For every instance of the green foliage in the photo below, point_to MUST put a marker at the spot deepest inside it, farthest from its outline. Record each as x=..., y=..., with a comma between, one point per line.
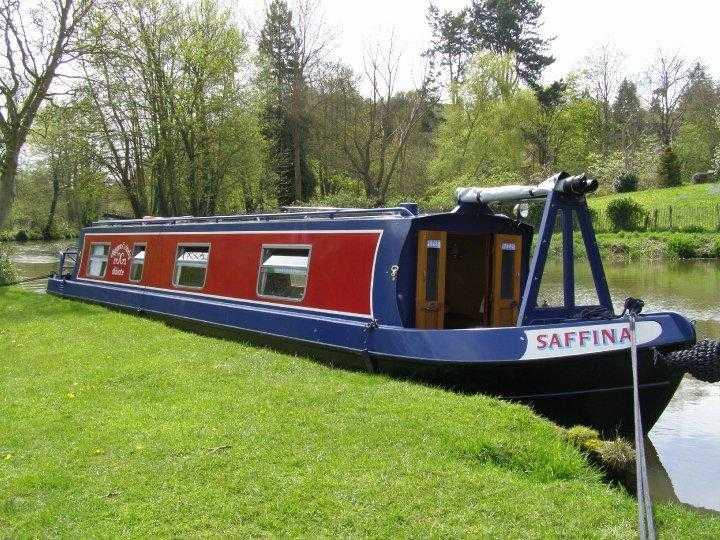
x=683, y=246
x=715, y=249
x=482, y=139
x=215, y=437
x=669, y=169
x=617, y=454
x=625, y=183
x=8, y=273
x=626, y=215
x=582, y=437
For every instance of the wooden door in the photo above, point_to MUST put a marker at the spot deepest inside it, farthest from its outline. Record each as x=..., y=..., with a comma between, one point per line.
x=430, y=291
x=507, y=257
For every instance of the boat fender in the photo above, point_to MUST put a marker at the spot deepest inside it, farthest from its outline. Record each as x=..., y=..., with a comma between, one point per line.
x=702, y=361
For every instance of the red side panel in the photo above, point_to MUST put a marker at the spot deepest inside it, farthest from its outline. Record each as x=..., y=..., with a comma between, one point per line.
x=339, y=276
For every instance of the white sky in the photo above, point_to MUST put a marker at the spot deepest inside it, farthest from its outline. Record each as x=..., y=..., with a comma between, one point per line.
x=636, y=27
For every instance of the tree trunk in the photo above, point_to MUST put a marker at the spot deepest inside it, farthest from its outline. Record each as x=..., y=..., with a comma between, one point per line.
x=48, y=229
x=7, y=184
x=296, y=141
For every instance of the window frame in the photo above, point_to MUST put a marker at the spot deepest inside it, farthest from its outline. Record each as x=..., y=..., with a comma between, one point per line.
x=90, y=259
x=263, y=247
x=132, y=259
x=175, y=264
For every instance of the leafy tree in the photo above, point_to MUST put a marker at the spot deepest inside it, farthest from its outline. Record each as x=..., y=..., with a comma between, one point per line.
x=483, y=140
x=289, y=53
x=698, y=135
x=669, y=168
x=36, y=43
x=450, y=46
x=511, y=26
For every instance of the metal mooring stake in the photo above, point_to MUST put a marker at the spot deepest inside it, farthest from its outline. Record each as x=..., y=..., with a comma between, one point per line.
x=646, y=522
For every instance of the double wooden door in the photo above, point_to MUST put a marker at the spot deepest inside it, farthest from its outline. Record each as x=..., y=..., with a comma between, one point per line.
x=430, y=304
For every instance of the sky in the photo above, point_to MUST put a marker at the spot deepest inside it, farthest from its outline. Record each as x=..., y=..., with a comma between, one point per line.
x=637, y=28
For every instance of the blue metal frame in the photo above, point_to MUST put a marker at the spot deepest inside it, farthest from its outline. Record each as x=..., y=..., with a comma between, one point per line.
x=568, y=206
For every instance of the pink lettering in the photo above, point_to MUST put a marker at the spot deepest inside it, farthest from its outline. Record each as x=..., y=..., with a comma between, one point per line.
x=625, y=335
x=542, y=341
x=608, y=336
x=555, y=341
x=584, y=336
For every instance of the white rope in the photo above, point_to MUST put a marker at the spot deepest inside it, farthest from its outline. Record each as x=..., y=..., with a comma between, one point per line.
x=646, y=522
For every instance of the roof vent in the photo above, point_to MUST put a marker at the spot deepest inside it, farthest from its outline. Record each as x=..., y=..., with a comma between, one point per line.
x=411, y=207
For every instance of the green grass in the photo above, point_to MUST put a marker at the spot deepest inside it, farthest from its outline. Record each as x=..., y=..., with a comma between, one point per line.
x=115, y=425
x=692, y=205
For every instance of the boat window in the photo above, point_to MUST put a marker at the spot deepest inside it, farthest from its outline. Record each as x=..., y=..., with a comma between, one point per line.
x=431, y=280
x=98, y=260
x=283, y=272
x=138, y=262
x=507, y=271
x=191, y=266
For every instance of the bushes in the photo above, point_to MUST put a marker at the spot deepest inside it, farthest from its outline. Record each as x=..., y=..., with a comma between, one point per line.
x=682, y=246
x=8, y=274
x=625, y=183
x=626, y=215
x=668, y=169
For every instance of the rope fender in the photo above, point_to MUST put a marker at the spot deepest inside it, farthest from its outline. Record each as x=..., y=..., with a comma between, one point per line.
x=702, y=360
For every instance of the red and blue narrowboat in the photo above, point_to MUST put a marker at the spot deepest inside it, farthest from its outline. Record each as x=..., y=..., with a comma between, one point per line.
x=448, y=298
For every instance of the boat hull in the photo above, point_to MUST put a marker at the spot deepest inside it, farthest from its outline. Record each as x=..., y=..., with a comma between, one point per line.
x=591, y=389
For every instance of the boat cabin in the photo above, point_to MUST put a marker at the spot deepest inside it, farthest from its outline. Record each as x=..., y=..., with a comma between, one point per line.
x=451, y=270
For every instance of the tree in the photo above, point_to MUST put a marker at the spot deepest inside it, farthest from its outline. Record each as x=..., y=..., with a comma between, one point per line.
x=511, y=26
x=602, y=75
x=698, y=135
x=293, y=52
x=627, y=115
x=483, y=139
x=669, y=168
x=450, y=47
x=670, y=79
x=36, y=43
x=376, y=130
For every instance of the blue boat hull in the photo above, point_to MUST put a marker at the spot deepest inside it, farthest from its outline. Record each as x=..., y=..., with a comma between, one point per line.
x=593, y=389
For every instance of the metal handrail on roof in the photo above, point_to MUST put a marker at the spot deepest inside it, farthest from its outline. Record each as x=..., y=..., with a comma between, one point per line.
x=313, y=213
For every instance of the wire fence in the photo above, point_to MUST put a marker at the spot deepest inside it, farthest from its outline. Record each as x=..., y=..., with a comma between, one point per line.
x=683, y=217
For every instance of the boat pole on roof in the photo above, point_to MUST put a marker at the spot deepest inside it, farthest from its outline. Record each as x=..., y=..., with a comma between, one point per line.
x=562, y=183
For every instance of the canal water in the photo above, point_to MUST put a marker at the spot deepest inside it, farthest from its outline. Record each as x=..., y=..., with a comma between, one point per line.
x=684, y=446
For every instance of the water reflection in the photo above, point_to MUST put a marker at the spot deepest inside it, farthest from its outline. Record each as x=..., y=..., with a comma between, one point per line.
x=685, y=442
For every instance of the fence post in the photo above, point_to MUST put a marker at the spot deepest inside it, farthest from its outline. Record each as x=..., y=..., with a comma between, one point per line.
x=717, y=216
x=670, y=218
x=655, y=219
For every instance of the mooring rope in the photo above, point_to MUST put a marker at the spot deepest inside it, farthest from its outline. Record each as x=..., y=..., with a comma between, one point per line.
x=646, y=521
x=26, y=280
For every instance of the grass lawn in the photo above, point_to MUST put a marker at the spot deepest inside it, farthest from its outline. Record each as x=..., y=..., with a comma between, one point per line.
x=688, y=194
x=692, y=205
x=114, y=425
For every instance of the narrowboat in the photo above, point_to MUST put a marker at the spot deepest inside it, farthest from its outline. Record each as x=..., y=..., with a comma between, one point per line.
x=451, y=299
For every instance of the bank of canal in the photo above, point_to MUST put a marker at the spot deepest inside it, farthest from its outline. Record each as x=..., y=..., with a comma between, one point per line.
x=684, y=445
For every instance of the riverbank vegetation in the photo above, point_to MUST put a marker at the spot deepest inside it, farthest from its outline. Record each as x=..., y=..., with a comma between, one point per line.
x=102, y=436
x=623, y=245
x=130, y=108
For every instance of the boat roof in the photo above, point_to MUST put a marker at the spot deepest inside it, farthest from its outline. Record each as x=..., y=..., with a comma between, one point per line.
x=291, y=214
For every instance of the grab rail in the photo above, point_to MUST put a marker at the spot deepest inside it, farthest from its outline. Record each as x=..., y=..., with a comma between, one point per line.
x=333, y=213
x=68, y=260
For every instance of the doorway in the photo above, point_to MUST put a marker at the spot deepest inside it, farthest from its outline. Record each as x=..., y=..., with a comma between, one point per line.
x=467, y=280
